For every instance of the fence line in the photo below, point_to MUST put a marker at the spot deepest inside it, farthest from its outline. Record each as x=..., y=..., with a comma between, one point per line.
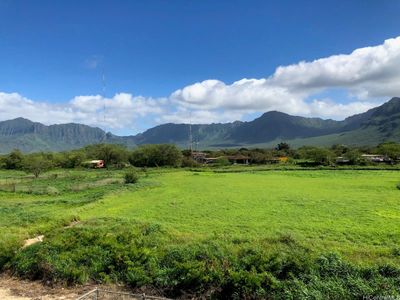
x=89, y=295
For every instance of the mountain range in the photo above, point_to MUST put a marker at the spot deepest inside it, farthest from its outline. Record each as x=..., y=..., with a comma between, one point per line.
x=372, y=127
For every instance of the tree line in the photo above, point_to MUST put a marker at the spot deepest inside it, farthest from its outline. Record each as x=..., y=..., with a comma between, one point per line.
x=118, y=156
x=313, y=154
x=114, y=156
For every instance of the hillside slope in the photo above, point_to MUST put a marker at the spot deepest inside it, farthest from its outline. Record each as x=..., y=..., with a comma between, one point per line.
x=370, y=128
x=31, y=136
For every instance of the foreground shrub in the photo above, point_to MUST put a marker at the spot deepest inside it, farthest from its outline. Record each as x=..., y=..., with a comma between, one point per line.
x=131, y=177
x=8, y=245
x=138, y=255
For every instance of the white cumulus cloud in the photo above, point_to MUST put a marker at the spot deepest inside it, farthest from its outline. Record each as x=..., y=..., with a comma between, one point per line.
x=368, y=76
x=121, y=111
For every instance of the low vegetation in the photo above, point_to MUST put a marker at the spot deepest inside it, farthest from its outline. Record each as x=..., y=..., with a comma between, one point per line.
x=131, y=176
x=249, y=234
x=313, y=228
x=166, y=155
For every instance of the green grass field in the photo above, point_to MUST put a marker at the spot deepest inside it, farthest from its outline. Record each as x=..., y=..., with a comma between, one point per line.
x=354, y=212
x=132, y=233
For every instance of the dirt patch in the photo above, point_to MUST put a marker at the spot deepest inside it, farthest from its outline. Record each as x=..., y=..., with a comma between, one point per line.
x=32, y=241
x=16, y=289
x=6, y=295
x=12, y=288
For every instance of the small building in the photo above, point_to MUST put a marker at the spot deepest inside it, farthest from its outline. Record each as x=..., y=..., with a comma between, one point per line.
x=272, y=160
x=376, y=158
x=211, y=160
x=200, y=157
x=239, y=159
x=340, y=160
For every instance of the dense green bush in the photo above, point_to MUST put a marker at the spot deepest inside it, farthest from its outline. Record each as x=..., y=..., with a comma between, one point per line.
x=131, y=176
x=71, y=159
x=189, y=162
x=317, y=155
x=390, y=149
x=222, y=161
x=13, y=160
x=140, y=257
x=36, y=164
x=354, y=157
x=8, y=245
x=156, y=156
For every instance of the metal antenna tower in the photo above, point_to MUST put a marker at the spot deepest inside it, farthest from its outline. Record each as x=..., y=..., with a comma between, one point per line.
x=104, y=97
x=190, y=133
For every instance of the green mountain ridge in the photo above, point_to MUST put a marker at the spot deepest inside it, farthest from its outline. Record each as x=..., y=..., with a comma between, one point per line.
x=31, y=136
x=375, y=126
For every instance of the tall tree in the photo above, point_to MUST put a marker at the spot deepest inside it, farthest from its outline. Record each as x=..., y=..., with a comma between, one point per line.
x=13, y=160
x=36, y=164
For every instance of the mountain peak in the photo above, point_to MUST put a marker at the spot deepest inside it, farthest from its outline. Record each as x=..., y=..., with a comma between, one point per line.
x=389, y=108
x=274, y=113
x=394, y=99
x=378, y=124
x=18, y=120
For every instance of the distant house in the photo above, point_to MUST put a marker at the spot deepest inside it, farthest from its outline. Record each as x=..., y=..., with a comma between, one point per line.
x=376, y=158
x=200, y=157
x=97, y=163
x=273, y=160
x=340, y=160
x=211, y=160
x=239, y=159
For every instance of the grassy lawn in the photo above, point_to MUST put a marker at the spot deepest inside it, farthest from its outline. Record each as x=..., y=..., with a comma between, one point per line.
x=177, y=220
x=353, y=212
x=41, y=205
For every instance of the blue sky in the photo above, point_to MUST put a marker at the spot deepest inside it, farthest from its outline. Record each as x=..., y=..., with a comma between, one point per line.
x=53, y=54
